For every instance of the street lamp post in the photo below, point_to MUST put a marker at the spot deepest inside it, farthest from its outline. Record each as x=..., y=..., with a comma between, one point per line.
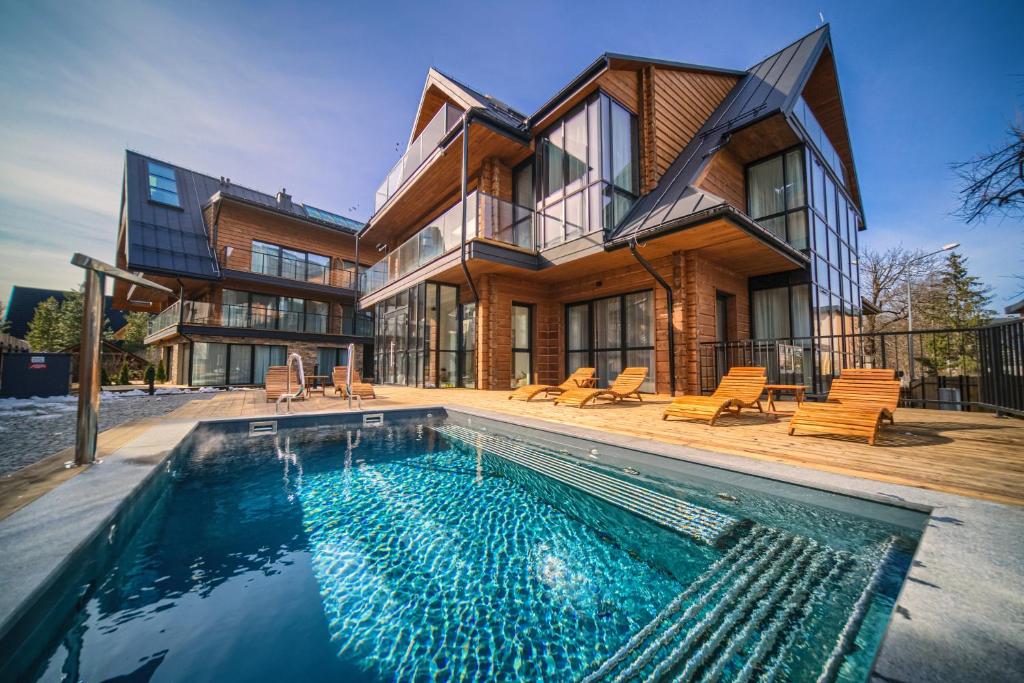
x=910, y=304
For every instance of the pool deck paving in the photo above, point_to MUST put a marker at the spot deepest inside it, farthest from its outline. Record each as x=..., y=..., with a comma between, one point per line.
x=960, y=614
x=969, y=454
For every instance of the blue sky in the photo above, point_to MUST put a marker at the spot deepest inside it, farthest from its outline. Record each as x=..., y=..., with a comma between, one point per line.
x=316, y=97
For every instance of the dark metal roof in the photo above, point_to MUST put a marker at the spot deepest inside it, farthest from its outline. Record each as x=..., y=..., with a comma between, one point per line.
x=21, y=306
x=768, y=88
x=492, y=107
x=173, y=240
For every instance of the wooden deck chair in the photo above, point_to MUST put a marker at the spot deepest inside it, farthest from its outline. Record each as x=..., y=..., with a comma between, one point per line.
x=276, y=382
x=574, y=381
x=626, y=385
x=359, y=387
x=740, y=388
x=854, y=407
x=868, y=373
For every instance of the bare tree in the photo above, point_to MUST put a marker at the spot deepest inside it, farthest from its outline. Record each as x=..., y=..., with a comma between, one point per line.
x=884, y=284
x=993, y=183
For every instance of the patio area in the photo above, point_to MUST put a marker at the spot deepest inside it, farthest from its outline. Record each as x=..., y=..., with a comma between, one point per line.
x=970, y=454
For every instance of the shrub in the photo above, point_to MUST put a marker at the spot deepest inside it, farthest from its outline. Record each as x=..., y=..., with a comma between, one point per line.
x=104, y=377
x=124, y=377
x=161, y=372
x=149, y=377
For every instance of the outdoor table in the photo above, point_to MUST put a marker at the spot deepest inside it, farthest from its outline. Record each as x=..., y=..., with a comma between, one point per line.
x=798, y=393
x=317, y=383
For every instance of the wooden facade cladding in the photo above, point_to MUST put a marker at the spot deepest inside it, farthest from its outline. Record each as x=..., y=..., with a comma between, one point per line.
x=683, y=101
x=238, y=225
x=724, y=175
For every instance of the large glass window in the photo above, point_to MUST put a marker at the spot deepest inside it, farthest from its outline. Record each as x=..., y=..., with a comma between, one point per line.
x=215, y=364
x=777, y=196
x=328, y=358
x=163, y=184
x=294, y=264
x=588, y=166
x=610, y=334
x=425, y=337
x=269, y=312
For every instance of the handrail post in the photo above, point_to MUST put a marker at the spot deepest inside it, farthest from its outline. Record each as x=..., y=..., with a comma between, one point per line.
x=89, y=369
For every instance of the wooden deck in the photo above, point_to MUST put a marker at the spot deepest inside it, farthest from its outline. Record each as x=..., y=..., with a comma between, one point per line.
x=969, y=454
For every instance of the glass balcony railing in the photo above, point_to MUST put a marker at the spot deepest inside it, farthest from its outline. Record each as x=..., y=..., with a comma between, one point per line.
x=260, y=318
x=288, y=264
x=421, y=148
x=487, y=217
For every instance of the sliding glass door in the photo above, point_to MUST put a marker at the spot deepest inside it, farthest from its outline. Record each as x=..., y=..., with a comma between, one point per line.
x=610, y=334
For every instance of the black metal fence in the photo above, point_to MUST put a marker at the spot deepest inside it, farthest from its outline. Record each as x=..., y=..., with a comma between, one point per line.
x=953, y=369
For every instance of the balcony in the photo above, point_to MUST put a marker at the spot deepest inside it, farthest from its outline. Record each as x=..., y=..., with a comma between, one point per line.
x=418, y=151
x=487, y=217
x=287, y=264
x=256, y=318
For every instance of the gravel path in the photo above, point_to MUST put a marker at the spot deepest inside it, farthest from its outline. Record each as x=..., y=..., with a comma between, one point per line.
x=32, y=429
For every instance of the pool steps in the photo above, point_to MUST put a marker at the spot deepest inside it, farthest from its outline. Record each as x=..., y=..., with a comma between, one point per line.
x=751, y=602
x=700, y=523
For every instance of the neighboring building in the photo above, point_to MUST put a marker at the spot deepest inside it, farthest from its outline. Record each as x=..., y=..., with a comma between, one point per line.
x=1015, y=309
x=21, y=306
x=650, y=213
x=259, y=276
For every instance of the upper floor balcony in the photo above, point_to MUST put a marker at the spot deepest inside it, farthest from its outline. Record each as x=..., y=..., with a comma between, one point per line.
x=487, y=218
x=418, y=151
x=270, y=318
x=297, y=267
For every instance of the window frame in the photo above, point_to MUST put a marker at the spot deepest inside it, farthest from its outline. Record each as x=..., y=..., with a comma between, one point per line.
x=598, y=177
x=528, y=350
x=786, y=211
x=280, y=261
x=150, y=186
x=623, y=348
x=277, y=311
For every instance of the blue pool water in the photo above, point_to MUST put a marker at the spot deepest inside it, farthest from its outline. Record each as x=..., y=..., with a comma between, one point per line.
x=429, y=551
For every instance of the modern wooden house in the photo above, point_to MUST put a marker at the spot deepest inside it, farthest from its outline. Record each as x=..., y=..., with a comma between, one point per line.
x=650, y=213
x=258, y=276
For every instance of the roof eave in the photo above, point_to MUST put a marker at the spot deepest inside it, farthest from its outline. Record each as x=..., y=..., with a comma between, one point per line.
x=719, y=211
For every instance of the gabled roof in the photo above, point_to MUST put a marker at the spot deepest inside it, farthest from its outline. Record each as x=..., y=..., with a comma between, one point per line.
x=467, y=97
x=21, y=306
x=768, y=88
x=175, y=241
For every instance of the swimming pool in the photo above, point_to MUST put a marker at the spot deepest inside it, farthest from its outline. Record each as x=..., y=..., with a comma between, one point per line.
x=442, y=546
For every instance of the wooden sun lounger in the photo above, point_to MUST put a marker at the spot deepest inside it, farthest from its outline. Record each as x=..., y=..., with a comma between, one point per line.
x=359, y=388
x=576, y=380
x=276, y=382
x=626, y=385
x=740, y=388
x=868, y=373
x=854, y=407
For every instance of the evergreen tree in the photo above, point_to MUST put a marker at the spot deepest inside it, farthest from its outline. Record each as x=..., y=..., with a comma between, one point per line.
x=124, y=377
x=954, y=300
x=161, y=372
x=42, y=329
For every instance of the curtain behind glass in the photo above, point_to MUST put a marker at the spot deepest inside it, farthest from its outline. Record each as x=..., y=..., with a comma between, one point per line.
x=240, y=369
x=209, y=363
x=640, y=319
x=771, y=313
x=801, y=311
x=607, y=324
x=766, y=188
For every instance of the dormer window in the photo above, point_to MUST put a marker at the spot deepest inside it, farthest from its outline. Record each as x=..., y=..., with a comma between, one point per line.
x=163, y=184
